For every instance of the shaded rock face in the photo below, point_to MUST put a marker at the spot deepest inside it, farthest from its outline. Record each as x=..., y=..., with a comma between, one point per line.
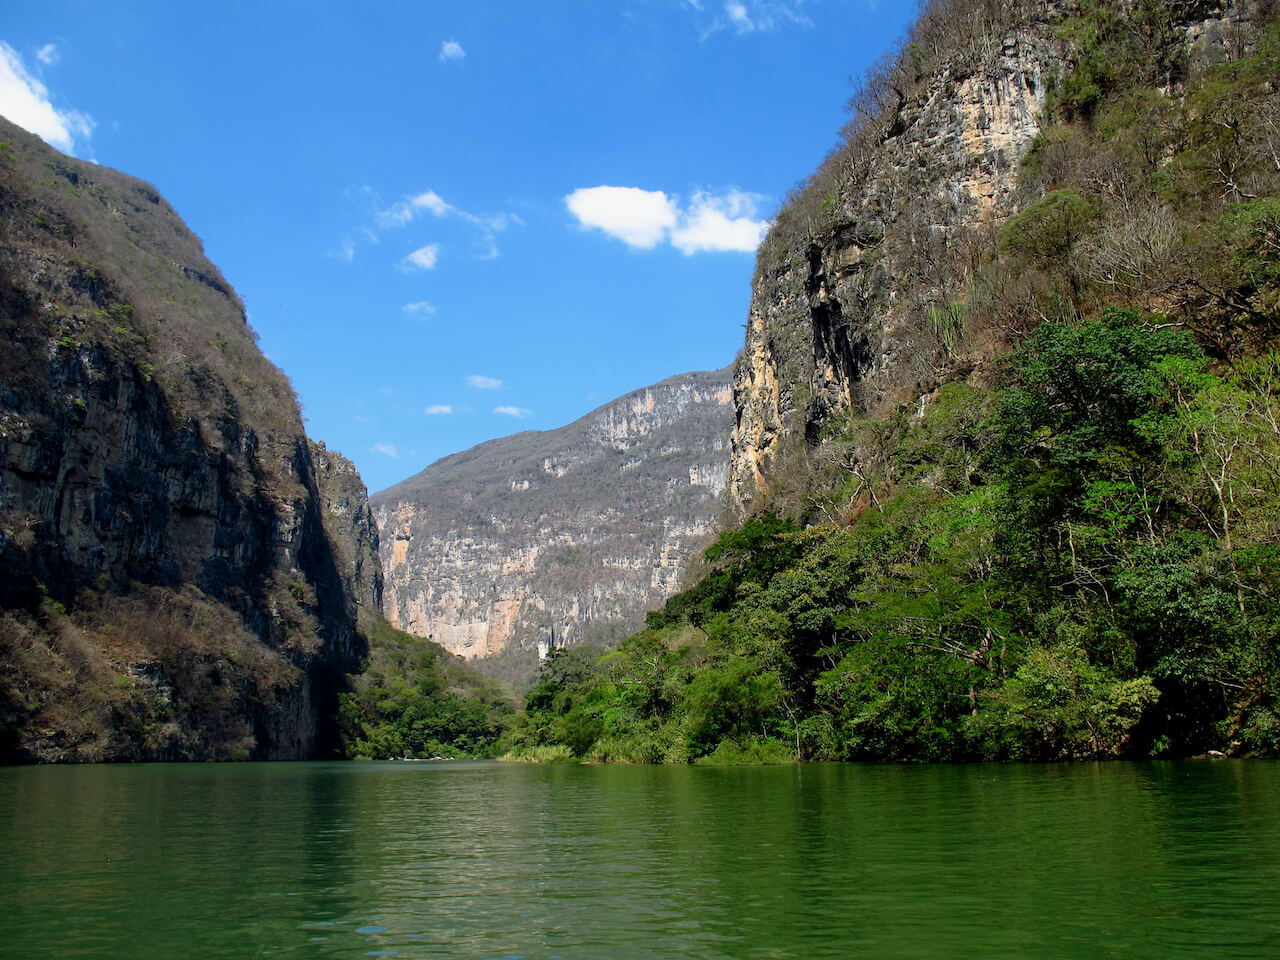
x=850, y=314
x=154, y=470
x=352, y=528
x=559, y=537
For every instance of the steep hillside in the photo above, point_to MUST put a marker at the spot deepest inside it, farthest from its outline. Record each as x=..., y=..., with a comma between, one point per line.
x=170, y=581
x=559, y=537
x=1008, y=419
x=880, y=280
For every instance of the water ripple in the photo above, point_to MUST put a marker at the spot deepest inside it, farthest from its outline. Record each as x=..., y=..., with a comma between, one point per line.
x=496, y=862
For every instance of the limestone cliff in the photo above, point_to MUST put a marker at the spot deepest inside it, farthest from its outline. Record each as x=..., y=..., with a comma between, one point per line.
x=859, y=297
x=559, y=537
x=168, y=584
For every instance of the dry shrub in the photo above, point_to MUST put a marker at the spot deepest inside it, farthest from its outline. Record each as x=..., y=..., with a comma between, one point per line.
x=154, y=674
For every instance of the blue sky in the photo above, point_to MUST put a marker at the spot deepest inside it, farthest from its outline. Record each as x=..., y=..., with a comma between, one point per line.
x=452, y=221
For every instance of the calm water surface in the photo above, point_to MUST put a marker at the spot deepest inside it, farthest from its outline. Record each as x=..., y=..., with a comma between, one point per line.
x=485, y=860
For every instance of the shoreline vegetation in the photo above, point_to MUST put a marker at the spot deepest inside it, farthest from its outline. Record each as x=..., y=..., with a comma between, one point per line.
x=1091, y=573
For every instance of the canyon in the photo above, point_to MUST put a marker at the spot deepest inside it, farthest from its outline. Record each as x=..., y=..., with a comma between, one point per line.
x=557, y=538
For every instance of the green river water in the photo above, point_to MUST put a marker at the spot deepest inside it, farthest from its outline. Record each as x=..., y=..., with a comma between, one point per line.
x=487, y=860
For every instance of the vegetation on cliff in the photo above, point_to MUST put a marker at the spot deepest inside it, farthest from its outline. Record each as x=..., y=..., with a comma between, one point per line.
x=412, y=698
x=169, y=585
x=1082, y=563
x=183, y=574
x=1073, y=556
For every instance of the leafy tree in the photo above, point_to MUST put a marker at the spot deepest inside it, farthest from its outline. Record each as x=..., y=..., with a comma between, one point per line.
x=413, y=699
x=1046, y=231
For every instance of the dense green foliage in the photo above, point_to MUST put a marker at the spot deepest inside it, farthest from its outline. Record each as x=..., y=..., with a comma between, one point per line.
x=414, y=699
x=1100, y=582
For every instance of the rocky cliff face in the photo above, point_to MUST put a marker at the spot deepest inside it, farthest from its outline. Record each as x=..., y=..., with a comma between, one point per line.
x=560, y=537
x=169, y=585
x=859, y=295
x=350, y=524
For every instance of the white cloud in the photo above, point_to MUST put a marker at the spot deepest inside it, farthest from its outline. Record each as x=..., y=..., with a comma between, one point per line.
x=48, y=55
x=25, y=101
x=389, y=449
x=720, y=223
x=644, y=218
x=421, y=308
x=483, y=383
x=424, y=258
x=430, y=201
x=639, y=218
x=512, y=411
x=738, y=16
x=451, y=50
x=438, y=408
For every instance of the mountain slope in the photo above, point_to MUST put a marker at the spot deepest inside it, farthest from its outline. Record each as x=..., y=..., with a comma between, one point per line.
x=559, y=537
x=876, y=285
x=169, y=585
x=1008, y=420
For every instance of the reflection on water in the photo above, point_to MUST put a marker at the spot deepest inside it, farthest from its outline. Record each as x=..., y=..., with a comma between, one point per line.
x=484, y=860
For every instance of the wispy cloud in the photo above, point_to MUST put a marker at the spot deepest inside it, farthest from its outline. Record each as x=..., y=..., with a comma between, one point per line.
x=483, y=383
x=419, y=309
x=404, y=212
x=738, y=17
x=26, y=102
x=345, y=250
x=642, y=219
x=518, y=412
x=424, y=258
x=438, y=408
x=748, y=16
x=452, y=50
x=387, y=449
x=48, y=55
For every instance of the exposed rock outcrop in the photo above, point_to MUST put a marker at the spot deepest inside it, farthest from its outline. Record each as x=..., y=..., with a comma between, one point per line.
x=169, y=586
x=559, y=537
x=829, y=327
x=858, y=298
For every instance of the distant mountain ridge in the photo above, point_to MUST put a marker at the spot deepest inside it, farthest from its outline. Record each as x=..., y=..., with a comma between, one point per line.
x=558, y=537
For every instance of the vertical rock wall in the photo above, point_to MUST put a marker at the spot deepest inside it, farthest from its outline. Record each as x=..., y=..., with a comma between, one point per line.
x=169, y=586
